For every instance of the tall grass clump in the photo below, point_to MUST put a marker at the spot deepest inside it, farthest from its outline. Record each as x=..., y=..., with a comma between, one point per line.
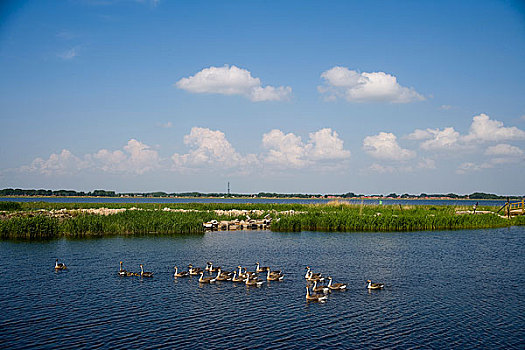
x=35, y=227
x=385, y=218
x=10, y=206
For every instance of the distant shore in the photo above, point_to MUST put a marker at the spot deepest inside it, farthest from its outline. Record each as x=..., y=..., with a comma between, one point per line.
x=292, y=198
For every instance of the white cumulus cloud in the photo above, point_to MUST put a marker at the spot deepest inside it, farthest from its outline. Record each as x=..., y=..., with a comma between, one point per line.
x=365, y=87
x=503, y=149
x=485, y=129
x=232, y=80
x=482, y=129
x=441, y=139
x=210, y=149
x=289, y=151
x=62, y=163
x=135, y=158
x=384, y=146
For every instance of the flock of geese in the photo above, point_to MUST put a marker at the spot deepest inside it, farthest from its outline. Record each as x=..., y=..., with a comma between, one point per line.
x=314, y=281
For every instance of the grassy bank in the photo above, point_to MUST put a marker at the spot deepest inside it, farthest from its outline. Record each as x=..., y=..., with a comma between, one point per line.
x=39, y=220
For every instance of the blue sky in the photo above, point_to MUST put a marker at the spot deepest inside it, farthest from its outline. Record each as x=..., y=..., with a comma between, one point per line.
x=280, y=96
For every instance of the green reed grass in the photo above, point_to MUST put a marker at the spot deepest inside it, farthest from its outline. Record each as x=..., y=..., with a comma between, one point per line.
x=30, y=223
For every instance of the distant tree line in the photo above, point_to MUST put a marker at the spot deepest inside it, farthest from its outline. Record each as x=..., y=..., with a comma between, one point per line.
x=58, y=193
x=104, y=193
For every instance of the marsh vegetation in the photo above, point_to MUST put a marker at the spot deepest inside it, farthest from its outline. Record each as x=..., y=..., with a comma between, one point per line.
x=42, y=220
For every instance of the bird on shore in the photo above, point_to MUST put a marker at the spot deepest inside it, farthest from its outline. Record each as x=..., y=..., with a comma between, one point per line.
x=178, y=274
x=203, y=279
x=374, y=285
x=335, y=286
x=60, y=266
x=315, y=297
x=145, y=273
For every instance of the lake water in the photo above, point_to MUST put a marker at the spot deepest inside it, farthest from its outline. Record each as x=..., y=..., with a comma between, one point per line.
x=461, y=202
x=445, y=289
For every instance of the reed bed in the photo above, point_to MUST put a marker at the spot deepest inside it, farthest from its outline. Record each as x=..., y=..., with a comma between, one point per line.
x=129, y=223
x=35, y=220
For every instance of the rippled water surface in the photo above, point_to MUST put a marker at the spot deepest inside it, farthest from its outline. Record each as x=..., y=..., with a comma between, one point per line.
x=446, y=289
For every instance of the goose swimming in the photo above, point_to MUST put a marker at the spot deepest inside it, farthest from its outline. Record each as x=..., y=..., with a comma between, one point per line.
x=60, y=266
x=315, y=297
x=209, y=267
x=374, y=285
x=121, y=271
x=223, y=276
x=274, y=277
x=203, y=279
x=335, y=286
x=254, y=282
x=310, y=276
x=237, y=279
x=194, y=271
x=178, y=274
x=144, y=273
x=320, y=289
x=261, y=269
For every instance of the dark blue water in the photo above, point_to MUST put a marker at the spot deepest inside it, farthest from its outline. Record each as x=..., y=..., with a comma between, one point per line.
x=447, y=289
x=459, y=202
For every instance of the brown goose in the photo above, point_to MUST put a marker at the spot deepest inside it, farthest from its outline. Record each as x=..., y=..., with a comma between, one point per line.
x=274, y=277
x=374, y=285
x=237, y=279
x=249, y=274
x=144, y=273
x=203, y=279
x=335, y=286
x=209, y=267
x=261, y=269
x=223, y=276
x=315, y=297
x=178, y=274
x=310, y=276
x=60, y=266
x=254, y=282
x=121, y=271
x=194, y=271
x=320, y=289
x=240, y=273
